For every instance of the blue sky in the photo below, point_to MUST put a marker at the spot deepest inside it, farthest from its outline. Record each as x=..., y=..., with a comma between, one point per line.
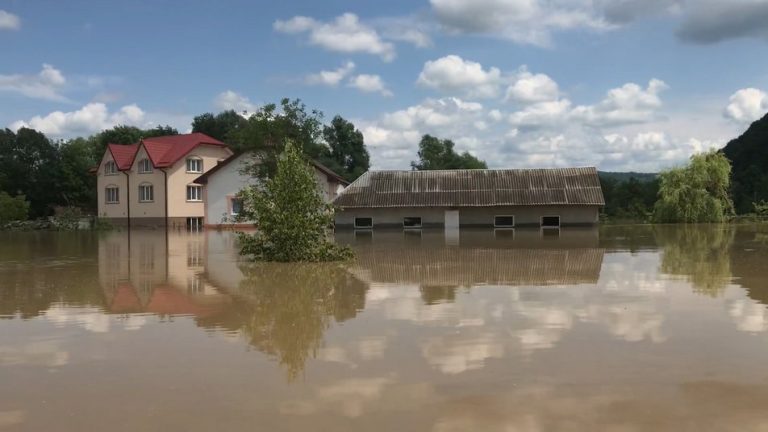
x=621, y=84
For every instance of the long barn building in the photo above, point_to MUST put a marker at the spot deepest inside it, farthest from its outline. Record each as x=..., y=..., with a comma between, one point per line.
x=504, y=198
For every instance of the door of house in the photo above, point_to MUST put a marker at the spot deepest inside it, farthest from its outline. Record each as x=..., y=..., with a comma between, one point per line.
x=451, y=220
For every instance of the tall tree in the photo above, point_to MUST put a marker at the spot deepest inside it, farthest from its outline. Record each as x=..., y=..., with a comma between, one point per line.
x=31, y=167
x=222, y=126
x=268, y=129
x=698, y=192
x=347, y=154
x=291, y=215
x=749, y=155
x=436, y=153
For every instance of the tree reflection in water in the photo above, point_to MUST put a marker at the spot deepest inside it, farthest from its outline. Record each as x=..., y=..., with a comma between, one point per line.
x=699, y=253
x=284, y=309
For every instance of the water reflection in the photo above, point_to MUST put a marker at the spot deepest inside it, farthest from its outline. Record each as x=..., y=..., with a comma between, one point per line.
x=484, y=330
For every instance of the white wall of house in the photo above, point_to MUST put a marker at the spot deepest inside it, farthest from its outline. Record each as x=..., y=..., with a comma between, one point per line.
x=222, y=187
x=224, y=184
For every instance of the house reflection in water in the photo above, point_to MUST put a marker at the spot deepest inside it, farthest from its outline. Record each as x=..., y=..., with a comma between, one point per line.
x=149, y=271
x=284, y=310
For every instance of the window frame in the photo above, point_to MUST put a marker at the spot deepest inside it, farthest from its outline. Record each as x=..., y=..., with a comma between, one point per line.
x=200, y=193
x=363, y=227
x=151, y=193
x=110, y=172
x=232, y=201
x=497, y=225
x=196, y=159
x=145, y=170
x=107, y=195
x=412, y=227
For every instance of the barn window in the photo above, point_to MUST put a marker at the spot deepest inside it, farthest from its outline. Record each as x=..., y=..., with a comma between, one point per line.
x=550, y=221
x=504, y=221
x=411, y=222
x=363, y=222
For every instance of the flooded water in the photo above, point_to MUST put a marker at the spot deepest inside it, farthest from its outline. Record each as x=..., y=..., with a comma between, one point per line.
x=617, y=329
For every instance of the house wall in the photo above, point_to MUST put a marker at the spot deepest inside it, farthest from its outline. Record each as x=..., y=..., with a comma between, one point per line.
x=178, y=179
x=150, y=213
x=113, y=212
x=221, y=187
x=470, y=216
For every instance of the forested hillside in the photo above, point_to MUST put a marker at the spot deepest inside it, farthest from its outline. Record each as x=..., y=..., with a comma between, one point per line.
x=749, y=159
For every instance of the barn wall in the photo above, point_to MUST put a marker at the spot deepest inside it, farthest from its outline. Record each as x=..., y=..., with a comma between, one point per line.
x=470, y=216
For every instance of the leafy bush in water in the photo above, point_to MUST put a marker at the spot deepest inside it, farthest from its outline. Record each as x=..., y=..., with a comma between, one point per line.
x=13, y=208
x=291, y=216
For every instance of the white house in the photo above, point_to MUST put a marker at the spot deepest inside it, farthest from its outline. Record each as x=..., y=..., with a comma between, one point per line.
x=222, y=183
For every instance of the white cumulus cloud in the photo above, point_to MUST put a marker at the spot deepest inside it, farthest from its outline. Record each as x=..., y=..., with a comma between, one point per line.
x=456, y=76
x=91, y=118
x=344, y=34
x=46, y=84
x=527, y=87
x=9, y=21
x=332, y=77
x=747, y=105
x=231, y=100
x=369, y=84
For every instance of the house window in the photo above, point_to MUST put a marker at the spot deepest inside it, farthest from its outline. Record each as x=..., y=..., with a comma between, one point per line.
x=194, y=193
x=550, y=221
x=112, y=195
x=411, y=222
x=194, y=165
x=146, y=193
x=236, y=206
x=145, y=166
x=504, y=221
x=363, y=223
x=110, y=168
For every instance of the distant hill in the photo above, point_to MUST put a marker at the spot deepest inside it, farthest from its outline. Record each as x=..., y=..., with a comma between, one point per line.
x=749, y=158
x=625, y=176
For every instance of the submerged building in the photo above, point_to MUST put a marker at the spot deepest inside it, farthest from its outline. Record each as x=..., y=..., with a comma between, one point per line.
x=505, y=198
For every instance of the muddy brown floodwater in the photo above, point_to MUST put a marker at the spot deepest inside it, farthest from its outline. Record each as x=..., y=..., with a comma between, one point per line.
x=616, y=329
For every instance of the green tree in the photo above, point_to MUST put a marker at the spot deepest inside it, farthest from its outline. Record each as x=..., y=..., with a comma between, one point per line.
x=77, y=185
x=436, y=154
x=30, y=167
x=223, y=126
x=347, y=154
x=268, y=129
x=698, y=192
x=749, y=155
x=13, y=208
x=291, y=215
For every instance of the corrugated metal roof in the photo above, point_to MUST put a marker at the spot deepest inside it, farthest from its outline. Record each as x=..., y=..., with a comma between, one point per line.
x=474, y=188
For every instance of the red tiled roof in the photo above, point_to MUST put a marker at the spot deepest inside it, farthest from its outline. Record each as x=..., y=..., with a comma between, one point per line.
x=163, y=151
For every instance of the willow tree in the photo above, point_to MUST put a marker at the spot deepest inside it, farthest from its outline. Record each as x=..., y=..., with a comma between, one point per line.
x=697, y=192
x=292, y=218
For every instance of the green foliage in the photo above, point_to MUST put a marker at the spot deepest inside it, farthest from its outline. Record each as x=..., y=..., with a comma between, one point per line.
x=290, y=214
x=30, y=167
x=268, y=129
x=13, y=208
x=347, y=155
x=630, y=199
x=223, y=126
x=761, y=208
x=437, y=154
x=749, y=157
x=698, y=192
